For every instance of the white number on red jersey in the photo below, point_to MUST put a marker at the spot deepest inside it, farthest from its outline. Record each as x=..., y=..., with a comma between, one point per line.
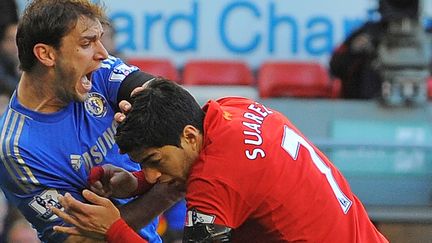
x=291, y=142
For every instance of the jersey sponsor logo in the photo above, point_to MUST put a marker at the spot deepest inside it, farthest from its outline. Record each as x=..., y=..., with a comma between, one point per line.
x=120, y=72
x=96, y=105
x=97, y=153
x=76, y=161
x=194, y=217
x=41, y=204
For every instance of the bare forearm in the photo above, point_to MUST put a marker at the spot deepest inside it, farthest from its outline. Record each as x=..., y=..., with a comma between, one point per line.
x=120, y=232
x=81, y=239
x=142, y=210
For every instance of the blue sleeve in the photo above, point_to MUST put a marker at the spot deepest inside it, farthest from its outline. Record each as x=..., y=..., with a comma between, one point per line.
x=176, y=215
x=108, y=78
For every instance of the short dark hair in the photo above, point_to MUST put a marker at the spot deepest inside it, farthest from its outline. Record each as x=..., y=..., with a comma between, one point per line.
x=48, y=21
x=158, y=116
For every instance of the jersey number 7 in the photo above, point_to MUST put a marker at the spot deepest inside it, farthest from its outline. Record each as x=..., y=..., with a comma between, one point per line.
x=291, y=143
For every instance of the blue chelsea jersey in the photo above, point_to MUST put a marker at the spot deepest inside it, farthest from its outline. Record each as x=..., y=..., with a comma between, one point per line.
x=45, y=155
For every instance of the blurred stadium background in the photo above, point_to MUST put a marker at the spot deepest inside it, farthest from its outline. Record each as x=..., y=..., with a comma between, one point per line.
x=277, y=51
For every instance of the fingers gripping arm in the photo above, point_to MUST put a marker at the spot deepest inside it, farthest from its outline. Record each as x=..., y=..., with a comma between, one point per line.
x=96, y=219
x=91, y=223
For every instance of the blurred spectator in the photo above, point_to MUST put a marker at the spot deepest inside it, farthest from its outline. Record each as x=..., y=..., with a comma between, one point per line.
x=22, y=232
x=9, y=10
x=9, y=74
x=3, y=214
x=8, y=51
x=353, y=62
x=13, y=225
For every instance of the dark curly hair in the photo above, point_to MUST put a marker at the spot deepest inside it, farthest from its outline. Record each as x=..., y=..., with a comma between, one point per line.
x=158, y=116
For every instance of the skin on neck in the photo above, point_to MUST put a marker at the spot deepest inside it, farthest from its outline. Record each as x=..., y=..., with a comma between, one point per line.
x=36, y=91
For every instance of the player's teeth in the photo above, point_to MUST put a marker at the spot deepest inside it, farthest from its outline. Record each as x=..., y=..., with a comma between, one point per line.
x=85, y=80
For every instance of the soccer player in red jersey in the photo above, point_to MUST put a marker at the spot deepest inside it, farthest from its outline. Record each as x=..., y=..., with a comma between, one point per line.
x=250, y=174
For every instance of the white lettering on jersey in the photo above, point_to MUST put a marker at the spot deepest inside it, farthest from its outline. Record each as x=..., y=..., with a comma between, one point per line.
x=254, y=154
x=252, y=130
x=41, y=204
x=255, y=138
x=255, y=127
x=97, y=152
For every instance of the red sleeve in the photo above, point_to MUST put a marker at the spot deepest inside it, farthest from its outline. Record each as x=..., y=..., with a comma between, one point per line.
x=218, y=200
x=143, y=185
x=120, y=232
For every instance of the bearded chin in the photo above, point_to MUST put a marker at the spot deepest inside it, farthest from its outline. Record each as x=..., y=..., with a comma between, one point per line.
x=67, y=96
x=66, y=92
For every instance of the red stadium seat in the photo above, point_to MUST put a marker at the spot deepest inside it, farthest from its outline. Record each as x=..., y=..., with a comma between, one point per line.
x=336, y=87
x=217, y=72
x=158, y=67
x=296, y=79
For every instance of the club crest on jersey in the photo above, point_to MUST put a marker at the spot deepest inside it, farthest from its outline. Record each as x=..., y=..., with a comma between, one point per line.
x=120, y=72
x=76, y=161
x=41, y=204
x=96, y=105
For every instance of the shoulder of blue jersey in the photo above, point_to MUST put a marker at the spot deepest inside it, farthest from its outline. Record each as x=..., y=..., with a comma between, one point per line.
x=117, y=70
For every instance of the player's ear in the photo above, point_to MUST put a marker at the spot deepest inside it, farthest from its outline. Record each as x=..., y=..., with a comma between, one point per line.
x=45, y=54
x=192, y=135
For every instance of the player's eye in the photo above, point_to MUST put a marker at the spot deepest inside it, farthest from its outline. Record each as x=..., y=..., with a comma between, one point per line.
x=151, y=164
x=86, y=44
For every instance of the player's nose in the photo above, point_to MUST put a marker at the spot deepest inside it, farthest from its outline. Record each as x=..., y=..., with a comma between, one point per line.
x=152, y=175
x=101, y=53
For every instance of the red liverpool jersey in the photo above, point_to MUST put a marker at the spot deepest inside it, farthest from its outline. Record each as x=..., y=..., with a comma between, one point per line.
x=260, y=176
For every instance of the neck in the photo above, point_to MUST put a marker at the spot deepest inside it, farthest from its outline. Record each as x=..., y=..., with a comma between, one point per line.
x=36, y=92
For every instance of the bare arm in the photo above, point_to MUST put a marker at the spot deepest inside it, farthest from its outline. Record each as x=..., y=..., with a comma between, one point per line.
x=142, y=210
x=81, y=239
x=112, y=181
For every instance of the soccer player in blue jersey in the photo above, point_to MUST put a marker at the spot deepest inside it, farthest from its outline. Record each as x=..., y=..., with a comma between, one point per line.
x=59, y=123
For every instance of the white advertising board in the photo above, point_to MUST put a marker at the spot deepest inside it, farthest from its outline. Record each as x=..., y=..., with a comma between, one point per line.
x=250, y=30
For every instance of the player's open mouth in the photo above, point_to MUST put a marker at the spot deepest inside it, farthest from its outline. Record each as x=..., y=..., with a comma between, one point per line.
x=86, y=84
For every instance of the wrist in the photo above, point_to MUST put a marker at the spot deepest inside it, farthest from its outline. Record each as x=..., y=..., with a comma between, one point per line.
x=120, y=232
x=142, y=184
x=115, y=231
